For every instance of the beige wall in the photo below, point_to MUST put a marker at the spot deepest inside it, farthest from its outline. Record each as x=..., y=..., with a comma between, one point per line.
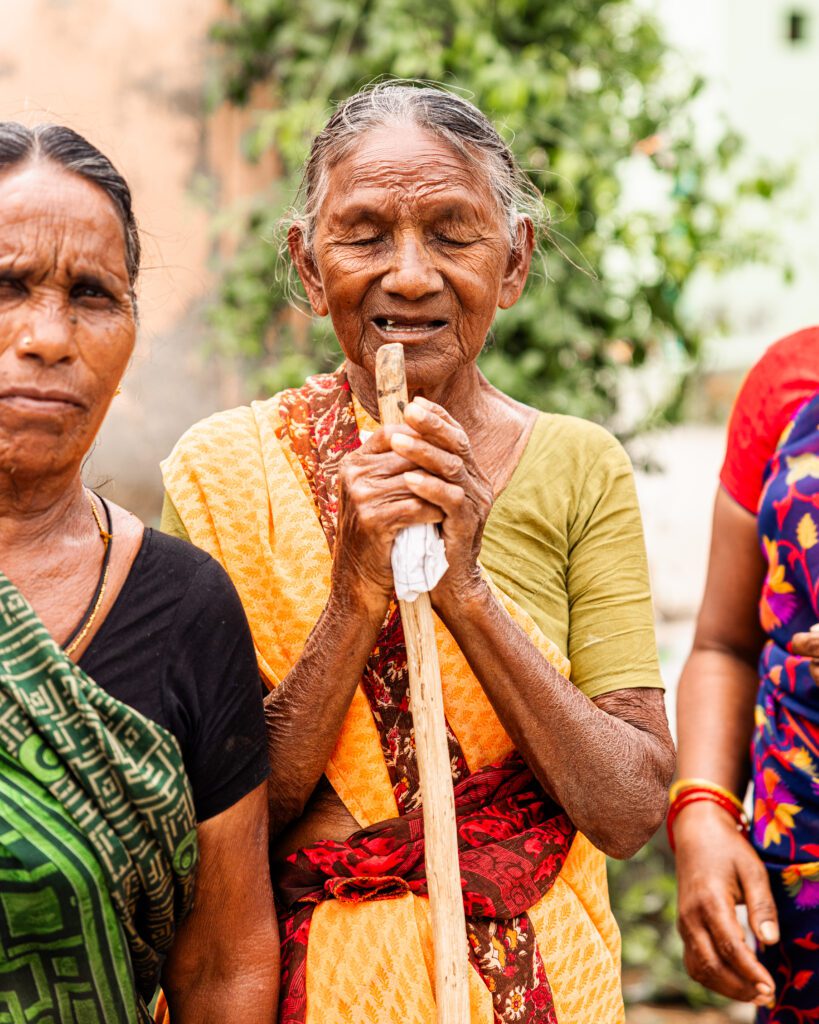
x=130, y=76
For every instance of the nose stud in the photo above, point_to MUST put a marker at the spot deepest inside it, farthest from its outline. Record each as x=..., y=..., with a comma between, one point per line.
x=26, y=341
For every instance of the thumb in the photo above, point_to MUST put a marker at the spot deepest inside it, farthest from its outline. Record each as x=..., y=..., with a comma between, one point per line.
x=762, y=915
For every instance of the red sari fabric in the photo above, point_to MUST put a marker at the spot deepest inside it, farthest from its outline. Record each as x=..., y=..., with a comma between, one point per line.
x=512, y=843
x=514, y=840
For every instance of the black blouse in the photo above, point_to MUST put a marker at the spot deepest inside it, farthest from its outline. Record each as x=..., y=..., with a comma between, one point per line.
x=176, y=646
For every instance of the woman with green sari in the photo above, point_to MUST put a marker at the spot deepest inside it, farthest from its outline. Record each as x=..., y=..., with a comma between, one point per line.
x=133, y=765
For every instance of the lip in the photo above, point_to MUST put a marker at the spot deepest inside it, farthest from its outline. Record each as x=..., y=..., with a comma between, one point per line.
x=408, y=328
x=40, y=399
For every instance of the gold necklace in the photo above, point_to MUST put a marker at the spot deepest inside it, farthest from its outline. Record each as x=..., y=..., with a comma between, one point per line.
x=81, y=631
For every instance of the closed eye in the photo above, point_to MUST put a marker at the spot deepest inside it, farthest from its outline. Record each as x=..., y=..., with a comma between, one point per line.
x=372, y=240
x=456, y=242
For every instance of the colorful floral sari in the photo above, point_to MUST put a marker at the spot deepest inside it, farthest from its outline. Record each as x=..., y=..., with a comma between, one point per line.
x=257, y=488
x=98, y=848
x=785, y=745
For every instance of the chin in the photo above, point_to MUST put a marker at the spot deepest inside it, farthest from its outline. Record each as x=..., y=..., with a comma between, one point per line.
x=428, y=371
x=47, y=447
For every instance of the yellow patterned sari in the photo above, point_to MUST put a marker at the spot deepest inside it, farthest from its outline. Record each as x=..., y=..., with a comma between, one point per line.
x=244, y=492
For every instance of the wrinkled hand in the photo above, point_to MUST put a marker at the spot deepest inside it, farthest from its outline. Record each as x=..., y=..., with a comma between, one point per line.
x=806, y=645
x=446, y=476
x=375, y=502
x=718, y=869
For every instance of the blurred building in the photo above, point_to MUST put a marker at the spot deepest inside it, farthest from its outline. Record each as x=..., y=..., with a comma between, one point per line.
x=761, y=62
x=132, y=78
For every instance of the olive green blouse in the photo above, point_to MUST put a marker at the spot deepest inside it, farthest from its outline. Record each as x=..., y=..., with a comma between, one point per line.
x=565, y=541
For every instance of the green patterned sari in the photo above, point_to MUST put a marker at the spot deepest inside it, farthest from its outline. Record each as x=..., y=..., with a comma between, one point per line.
x=98, y=848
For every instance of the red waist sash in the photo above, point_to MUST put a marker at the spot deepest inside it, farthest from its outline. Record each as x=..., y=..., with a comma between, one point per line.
x=513, y=841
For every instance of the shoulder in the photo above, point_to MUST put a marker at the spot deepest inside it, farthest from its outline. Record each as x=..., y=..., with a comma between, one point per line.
x=571, y=470
x=219, y=459
x=583, y=438
x=218, y=432
x=789, y=367
x=188, y=575
x=774, y=388
x=577, y=452
x=793, y=358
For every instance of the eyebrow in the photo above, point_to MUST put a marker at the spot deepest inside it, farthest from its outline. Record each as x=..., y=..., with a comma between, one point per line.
x=447, y=209
x=21, y=265
x=355, y=212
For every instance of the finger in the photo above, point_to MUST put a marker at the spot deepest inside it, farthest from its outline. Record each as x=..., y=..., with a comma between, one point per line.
x=729, y=942
x=427, y=456
x=384, y=466
x=435, y=429
x=806, y=645
x=379, y=441
x=704, y=964
x=411, y=511
x=381, y=521
x=371, y=494
x=756, y=887
x=447, y=496
x=439, y=410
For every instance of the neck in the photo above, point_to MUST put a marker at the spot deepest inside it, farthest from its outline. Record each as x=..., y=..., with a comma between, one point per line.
x=31, y=510
x=464, y=395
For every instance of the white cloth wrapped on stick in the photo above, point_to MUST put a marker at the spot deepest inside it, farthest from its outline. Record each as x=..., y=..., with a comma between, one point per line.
x=418, y=560
x=418, y=557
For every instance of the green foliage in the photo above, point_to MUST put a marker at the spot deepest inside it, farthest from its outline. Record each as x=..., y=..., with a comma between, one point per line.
x=595, y=107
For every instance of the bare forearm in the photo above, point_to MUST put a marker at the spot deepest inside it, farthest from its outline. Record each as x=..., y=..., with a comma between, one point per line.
x=717, y=691
x=611, y=776
x=715, y=717
x=304, y=714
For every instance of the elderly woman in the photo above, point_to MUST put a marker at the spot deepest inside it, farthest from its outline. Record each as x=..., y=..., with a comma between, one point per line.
x=132, y=746
x=411, y=232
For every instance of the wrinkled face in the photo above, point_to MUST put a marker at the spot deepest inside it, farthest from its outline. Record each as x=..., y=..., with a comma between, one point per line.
x=67, y=325
x=410, y=245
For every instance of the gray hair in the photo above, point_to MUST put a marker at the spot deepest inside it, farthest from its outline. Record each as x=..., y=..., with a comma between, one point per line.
x=445, y=114
x=68, y=149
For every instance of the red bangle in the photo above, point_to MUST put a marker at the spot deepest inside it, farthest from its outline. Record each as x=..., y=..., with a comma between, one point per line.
x=697, y=794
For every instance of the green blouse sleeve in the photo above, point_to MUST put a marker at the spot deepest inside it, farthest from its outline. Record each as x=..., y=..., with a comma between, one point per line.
x=170, y=522
x=611, y=620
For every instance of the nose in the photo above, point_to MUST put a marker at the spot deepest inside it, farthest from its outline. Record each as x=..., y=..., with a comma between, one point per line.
x=412, y=275
x=47, y=337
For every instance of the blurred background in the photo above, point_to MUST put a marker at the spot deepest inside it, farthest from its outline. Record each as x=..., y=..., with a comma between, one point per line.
x=675, y=146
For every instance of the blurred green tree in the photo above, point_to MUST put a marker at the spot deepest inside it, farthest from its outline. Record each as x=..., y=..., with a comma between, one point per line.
x=595, y=106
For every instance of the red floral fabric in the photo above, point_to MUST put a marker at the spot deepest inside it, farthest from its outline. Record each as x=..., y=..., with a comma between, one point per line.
x=513, y=839
x=512, y=843
x=785, y=740
x=319, y=420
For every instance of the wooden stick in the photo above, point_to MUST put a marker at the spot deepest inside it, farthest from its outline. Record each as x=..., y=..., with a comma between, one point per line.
x=443, y=872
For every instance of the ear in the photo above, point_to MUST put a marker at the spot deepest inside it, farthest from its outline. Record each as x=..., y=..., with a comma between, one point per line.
x=306, y=266
x=520, y=259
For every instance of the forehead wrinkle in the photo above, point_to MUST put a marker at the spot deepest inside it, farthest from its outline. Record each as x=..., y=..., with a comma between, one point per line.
x=76, y=243
x=402, y=176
